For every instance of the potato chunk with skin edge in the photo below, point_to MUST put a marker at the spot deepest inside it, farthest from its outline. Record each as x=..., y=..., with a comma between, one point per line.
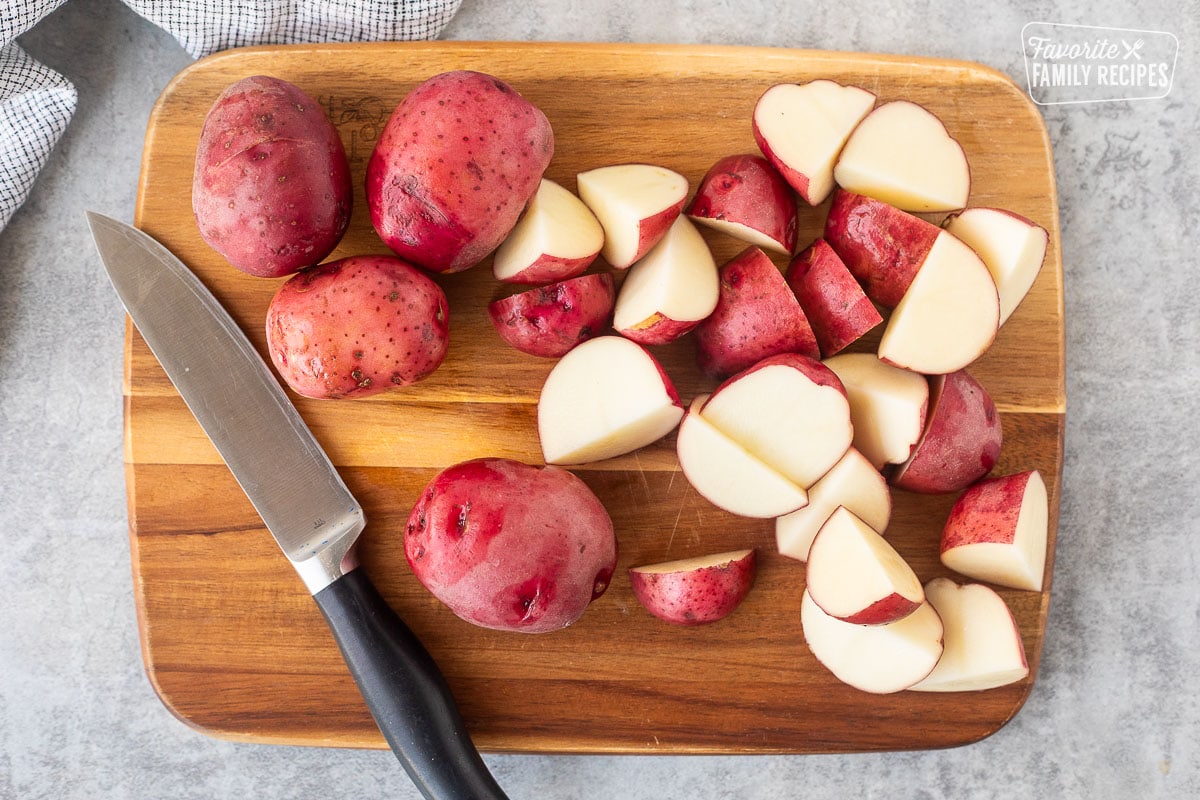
x=723, y=473
x=879, y=659
x=756, y=316
x=547, y=321
x=606, y=397
x=997, y=531
x=983, y=647
x=902, y=154
x=948, y=316
x=556, y=238
x=961, y=441
x=635, y=203
x=695, y=591
x=854, y=483
x=788, y=411
x=856, y=576
x=887, y=404
x=838, y=310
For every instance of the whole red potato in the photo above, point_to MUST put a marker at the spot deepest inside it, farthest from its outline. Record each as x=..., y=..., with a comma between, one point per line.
x=510, y=546
x=356, y=327
x=271, y=187
x=454, y=167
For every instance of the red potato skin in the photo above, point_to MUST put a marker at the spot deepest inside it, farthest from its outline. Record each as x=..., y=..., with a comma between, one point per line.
x=455, y=165
x=548, y=321
x=660, y=330
x=794, y=178
x=1018, y=217
x=757, y=316
x=510, y=546
x=271, y=189
x=986, y=512
x=887, y=609
x=695, y=598
x=816, y=372
x=356, y=327
x=833, y=301
x=962, y=438
x=882, y=246
x=651, y=231
x=551, y=269
x=746, y=189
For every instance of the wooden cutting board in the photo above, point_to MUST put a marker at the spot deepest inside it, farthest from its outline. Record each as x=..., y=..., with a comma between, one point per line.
x=234, y=645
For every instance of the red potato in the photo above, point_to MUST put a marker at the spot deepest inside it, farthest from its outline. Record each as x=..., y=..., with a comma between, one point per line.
x=856, y=576
x=670, y=289
x=556, y=238
x=888, y=406
x=788, y=411
x=548, y=321
x=801, y=129
x=882, y=246
x=983, y=647
x=853, y=483
x=998, y=530
x=833, y=301
x=509, y=546
x=727, y=475
x=454, y=167
x=1012, y=247
x=961, y=441
x=636, y=204
x=695, y=591
x=901, y=153
x=949, y=314
x=271, y=189
x=356, y=327
x=880, y=659
x=757, y=316
x=607, y=397
x=745, y=197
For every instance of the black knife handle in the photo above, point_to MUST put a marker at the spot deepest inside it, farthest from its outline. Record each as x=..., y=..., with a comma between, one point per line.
x=406, y=692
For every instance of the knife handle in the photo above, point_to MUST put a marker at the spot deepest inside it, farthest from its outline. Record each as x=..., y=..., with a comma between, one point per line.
x=406, y=692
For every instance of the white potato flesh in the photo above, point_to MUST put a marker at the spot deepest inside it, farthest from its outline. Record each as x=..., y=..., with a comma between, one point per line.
x=676, y=280
x=785, y=420
x=853, y=483
x=982, y=644
x=902, y=154
x=880, y=659
x=1012, y=247
x=729, y=477
x=948, y=316
x=606, y=397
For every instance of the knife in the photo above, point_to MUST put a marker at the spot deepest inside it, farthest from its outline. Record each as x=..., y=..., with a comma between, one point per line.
x=303, y=501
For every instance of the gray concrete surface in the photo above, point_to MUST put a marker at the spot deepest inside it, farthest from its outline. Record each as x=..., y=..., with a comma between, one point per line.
x=1115, y=714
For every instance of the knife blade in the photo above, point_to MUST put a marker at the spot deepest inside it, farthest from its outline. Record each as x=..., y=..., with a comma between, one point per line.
x=302, y=500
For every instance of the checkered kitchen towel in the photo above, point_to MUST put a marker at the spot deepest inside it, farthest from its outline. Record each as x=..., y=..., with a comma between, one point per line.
x=36, y=103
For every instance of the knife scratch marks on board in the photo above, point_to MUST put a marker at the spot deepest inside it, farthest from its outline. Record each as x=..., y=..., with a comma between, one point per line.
x=642, y=474
x=678, y=514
